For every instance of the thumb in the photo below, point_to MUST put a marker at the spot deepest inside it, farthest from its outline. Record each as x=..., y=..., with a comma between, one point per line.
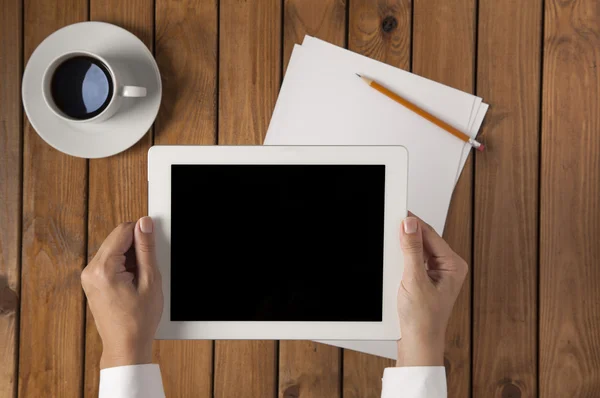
x=411, y=241
x=145, y=251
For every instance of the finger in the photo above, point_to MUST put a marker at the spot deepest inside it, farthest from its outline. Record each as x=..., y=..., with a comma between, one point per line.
x=126, y=278
x=118, y=241
x=103, y=273
x=411, y=241
x=433, y=243
x=145, y=251
x=114, y=247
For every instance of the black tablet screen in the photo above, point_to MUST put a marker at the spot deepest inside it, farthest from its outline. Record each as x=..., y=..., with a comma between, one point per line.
x=277, y=242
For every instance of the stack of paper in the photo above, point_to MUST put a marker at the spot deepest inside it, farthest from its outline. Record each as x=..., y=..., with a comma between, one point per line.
x=323, y=102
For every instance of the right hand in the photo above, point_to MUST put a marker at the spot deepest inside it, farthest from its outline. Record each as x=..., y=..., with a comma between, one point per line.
x=432, y=278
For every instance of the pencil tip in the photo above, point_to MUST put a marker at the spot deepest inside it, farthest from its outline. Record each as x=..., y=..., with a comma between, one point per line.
x=358, y=75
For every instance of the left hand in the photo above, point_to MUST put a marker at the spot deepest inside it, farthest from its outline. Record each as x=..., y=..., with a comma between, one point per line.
x=124, y=291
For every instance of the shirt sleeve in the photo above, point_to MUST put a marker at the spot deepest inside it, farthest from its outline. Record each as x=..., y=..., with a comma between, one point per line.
x=414, y=382
x=134, y=381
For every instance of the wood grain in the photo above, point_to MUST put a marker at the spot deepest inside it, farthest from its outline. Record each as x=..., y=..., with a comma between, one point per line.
x=186, y=53
x=245, y=368
x=117, y=184
x=54, y=230
x=444, y=50
x=249, y=77
x=506, y=201
x=380, y=30
x=570, y=207
x=249, y=69
x=308, y=369
x=362, y=374
x=325, y=19
x=11, y=31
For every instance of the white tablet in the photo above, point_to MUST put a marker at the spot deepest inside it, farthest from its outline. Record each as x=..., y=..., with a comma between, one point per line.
x=278, y=242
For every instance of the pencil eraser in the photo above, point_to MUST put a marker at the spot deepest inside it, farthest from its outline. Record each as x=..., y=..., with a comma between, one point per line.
x=481, y=148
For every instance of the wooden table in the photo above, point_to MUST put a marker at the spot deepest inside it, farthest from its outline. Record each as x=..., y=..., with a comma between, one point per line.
x=525, y=214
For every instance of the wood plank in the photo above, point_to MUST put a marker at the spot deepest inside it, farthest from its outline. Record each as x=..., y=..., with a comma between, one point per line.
x=117, y=184
x=444, y=50
x=380, y=30
x=248, y=367
x=306, y=368
x=186, y=53
x=506, y=201
x=249, y=77
x=249, y=69
x=54, y=230
x=570, y=210
x=362, y=374
x=325, y=19
x=11, y=30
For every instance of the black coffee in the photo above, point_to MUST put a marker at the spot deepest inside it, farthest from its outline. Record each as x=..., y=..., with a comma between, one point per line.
x=81, y=87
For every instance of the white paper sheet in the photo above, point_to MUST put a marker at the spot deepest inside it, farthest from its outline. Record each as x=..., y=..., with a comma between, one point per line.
x=323, y=102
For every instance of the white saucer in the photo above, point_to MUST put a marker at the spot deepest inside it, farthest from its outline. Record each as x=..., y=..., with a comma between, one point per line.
x=132, y=121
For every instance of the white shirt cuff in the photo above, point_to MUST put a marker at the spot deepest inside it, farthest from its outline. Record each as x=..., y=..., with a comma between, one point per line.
x=134, y=381
x=414, y=382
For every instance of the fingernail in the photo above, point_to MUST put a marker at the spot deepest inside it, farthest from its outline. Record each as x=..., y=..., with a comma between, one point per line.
x=410, y=225
x=146, y=225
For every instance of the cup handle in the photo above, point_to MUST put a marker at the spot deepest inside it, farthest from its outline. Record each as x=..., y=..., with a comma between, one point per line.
x=133, y=91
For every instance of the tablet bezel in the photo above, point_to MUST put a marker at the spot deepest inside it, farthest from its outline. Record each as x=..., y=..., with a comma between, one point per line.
x=395, y=158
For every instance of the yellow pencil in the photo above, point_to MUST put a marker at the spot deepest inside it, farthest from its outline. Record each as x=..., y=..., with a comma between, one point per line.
x=440, y=123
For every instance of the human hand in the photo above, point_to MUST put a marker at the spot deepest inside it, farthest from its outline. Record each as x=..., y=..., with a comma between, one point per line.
x=432, y=278
x=124, y=291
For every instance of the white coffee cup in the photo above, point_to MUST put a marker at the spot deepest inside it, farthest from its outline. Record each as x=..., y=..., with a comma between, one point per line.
x=118, y=76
